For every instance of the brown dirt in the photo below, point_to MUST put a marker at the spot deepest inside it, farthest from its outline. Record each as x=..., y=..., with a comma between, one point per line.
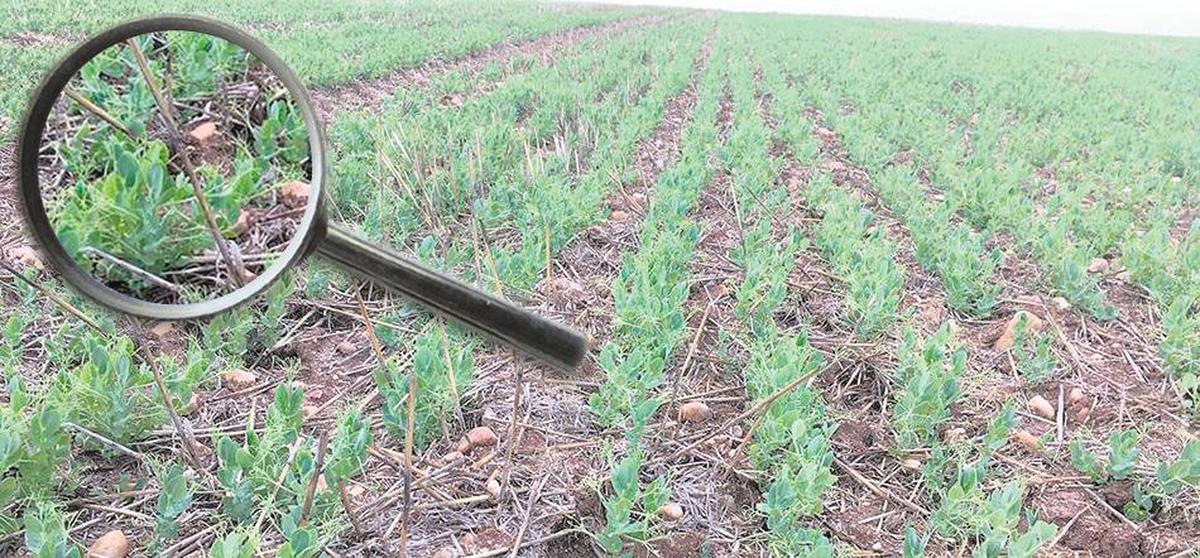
x=679, y=545
x=369, y=94
x=36, y=39
x=1094, y=530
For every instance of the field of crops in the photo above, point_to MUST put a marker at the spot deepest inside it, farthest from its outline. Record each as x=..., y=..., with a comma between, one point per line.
x=855, y=287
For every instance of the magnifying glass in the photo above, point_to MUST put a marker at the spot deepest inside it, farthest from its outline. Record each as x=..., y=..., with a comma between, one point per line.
x=173, y=168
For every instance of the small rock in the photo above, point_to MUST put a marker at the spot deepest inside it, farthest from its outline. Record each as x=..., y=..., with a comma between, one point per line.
x=314, y=394
x=671, y=511
x=464, y=446
x=310, y=410
x=1098, y=265
x=567, y=285
x=162, y=329
x=112, y=545
x=1074, y=397
x=1041, y=407
x=203, y=132
x=445, y=552
x=355, y=491
x=1081, y=414
x=493, y=487
x=295, y=193
x=956, y=434
x=452, y=457
x=1008, y=338
x=481, y=436
x=244, y=221
x=911, y=463
x=1061, y=303
x=238, y=378
x=694, y=411
x=619, y=215
x=638, y=199
x=1124, y=277
x=27, y=256
x=1027, y=440
x=345, y=347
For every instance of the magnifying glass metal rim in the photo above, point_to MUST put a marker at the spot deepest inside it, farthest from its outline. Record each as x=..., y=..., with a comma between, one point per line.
x=29, y=146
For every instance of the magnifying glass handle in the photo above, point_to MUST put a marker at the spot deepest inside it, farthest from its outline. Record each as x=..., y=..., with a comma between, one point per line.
x=487, y=314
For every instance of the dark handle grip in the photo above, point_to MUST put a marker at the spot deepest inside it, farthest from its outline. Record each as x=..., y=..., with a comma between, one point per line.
x=487, y=314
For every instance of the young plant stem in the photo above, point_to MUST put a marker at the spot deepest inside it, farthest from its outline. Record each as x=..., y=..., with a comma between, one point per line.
x=189, y=444
x=55, y=299
x=185, y=160
x=512, y=425
x=100, y=112
x=318, y=465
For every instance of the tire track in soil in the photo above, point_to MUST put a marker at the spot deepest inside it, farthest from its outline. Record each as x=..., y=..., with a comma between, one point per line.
x=556, y=431
x=1116, y=381
x=370, y=94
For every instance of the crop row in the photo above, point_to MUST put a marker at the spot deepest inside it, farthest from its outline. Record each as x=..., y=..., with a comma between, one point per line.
x=792, y=442
x=648, y=324
x=486, y=163
x=324, y=42
x=1072, y=177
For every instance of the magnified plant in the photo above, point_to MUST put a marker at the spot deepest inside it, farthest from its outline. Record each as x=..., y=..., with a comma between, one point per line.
x=175, y=167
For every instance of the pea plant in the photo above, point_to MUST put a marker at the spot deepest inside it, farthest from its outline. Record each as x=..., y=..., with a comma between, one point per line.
x=442, y=371
x=649, y=292
x=791, y=445
x=957, y=255
x=1033, y=353
x=861, y=256
x=927, y=377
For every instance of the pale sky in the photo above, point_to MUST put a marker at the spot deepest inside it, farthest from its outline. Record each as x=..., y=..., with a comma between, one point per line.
x=1151, y=17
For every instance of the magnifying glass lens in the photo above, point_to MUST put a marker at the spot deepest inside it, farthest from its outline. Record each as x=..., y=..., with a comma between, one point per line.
x=175, y=167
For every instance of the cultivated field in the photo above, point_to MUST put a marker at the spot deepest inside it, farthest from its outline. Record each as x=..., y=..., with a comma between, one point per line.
x=856, y=288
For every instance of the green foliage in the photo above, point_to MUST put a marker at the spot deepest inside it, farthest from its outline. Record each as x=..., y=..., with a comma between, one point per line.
x=1185, y=471
x=301, y=543
x=628, y=511
x=961, y=502
x=46, y=534
x=276, y=307
x=914, y=544
x=282, y=136
x=928, y=379
x=1033, y=353
x=234, y=545
x=1084, y=461
x=250, y=471
x=952, y=251
x=174, y=498
x=33, y=444
x=108, y=393
x=1122, y=453
x=862, y=257
x=139, y=212
x=442, y=370
x=348, y=449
